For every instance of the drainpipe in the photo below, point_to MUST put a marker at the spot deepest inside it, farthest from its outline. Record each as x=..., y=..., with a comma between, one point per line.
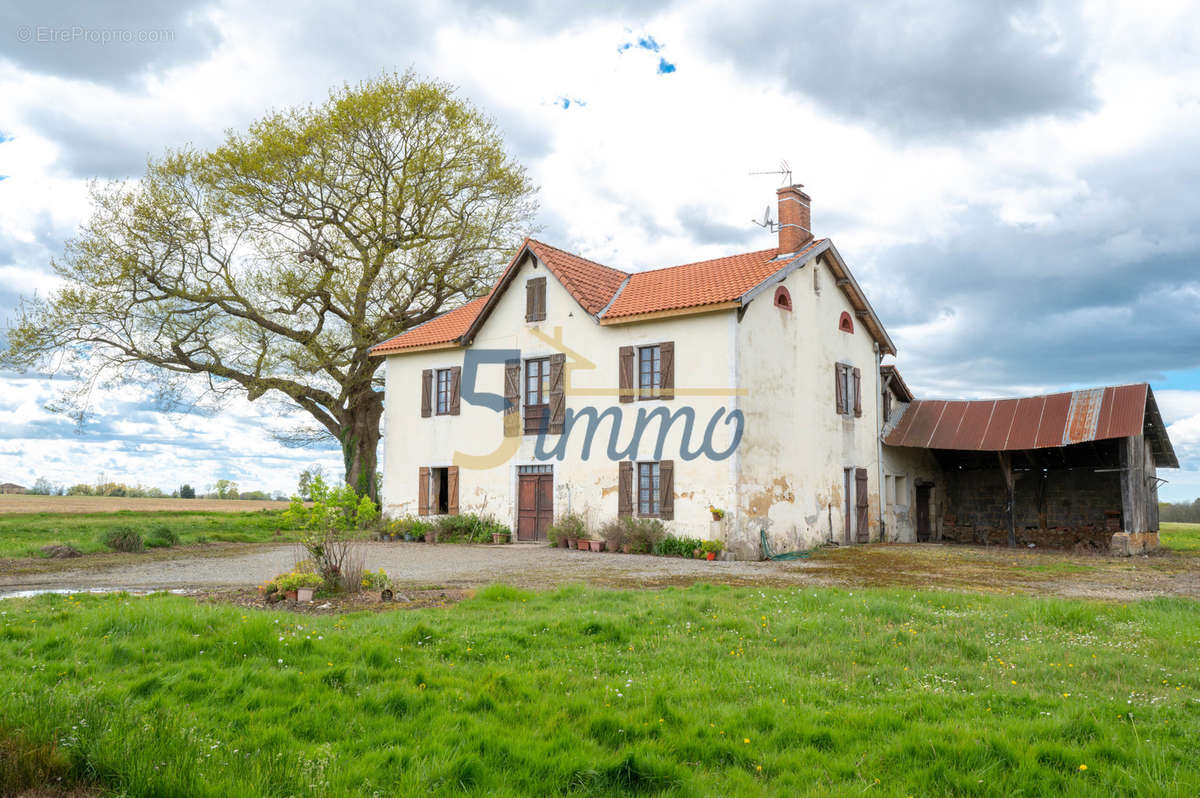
x=879, y=439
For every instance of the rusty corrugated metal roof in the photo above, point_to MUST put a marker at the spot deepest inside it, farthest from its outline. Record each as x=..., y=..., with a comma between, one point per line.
x=1034, y=422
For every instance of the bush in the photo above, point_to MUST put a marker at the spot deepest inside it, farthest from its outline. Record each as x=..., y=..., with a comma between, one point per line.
x=468, y=528
x=615, y=534
x=330, y=531
x=122, y=538
x=570, y=525
x=676, y=547
x=644, y=533
x=294, y=580
x=409, y=528
x=162, y=537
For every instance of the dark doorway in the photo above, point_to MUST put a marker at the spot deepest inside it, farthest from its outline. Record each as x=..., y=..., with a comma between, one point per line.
x=862, y=528
x=535, y=502
x=847, y=486
x=924, y=527
x=440, y=494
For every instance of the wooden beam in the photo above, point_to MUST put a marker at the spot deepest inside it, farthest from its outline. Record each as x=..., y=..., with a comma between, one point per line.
x=1006, y=468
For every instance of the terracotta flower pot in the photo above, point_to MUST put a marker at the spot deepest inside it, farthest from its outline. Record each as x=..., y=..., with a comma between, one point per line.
x=499, y=537
x=711, y=555
x=431, y=537
x=717, y=516
x=596, y=545
x=290, y=595
x=582, y=544
x=572, y=543
x=627, y=548
x=304, y=595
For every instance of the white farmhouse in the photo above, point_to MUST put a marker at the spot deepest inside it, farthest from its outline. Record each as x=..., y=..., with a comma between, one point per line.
x=748, y=383
x=753, y=385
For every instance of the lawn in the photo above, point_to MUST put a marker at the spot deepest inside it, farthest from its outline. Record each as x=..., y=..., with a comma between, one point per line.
x=1180, y=537
x=23, y=535
x=698, y=691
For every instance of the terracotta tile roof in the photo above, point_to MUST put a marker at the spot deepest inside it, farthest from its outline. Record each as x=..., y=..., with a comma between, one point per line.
x=594, y=285
x=591, y=283
x=442, y=329
x=707, y=282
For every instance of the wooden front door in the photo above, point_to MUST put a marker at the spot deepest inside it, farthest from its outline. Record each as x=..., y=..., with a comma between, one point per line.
x=924, y=494
x=862, y=528
x=535, y=505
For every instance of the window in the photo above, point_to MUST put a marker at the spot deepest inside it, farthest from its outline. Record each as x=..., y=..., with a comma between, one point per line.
x=437, y=491
x=783, y=299
x=648, y=489
x=443, y=392
x=848, y=383
x=535, y=299
x=537, y=393
x=649, y=372
x=887, y=405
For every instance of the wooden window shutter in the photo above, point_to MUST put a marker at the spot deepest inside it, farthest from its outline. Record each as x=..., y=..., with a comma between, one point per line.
x=422, y=491
x=666, y=352
x=512, y=398
x=666, y=489
x=455, y=390
x=426, y=393
x=535, y=299
x=452, y=490
x=558, y=401
x=857, y=393
x=625, y=489
x=839, y=387
x=625, y=373
x=862, y=501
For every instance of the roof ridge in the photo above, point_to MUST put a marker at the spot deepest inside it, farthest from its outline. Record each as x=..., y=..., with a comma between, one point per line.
x=576, y=255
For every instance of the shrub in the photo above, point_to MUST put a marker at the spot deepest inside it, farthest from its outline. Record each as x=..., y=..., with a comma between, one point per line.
x=409, y=527
x=676, y=547
x=644, y=533
x=294, y=580
x=715, y=546
x=122, y=538
x=570, y=525
x=378, y=580
x=468, y=528
x=615, y=534
x=330, y=529
x=162, y=537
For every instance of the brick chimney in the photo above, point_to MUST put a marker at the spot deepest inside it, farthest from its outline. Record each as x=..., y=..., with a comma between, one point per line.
x=795, y=218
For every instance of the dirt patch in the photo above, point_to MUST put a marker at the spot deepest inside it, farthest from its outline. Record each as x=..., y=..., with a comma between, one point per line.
x=336, y=605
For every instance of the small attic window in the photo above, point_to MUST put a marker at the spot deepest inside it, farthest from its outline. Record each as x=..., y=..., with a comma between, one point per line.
x=783, y=299
x=845, y=323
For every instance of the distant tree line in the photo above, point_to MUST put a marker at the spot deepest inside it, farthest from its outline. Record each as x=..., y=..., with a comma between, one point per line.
x=1184, y=512
x=221, y=489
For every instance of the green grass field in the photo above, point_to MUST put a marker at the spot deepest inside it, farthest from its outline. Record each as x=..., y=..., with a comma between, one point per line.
x=23, y=534
x=1180, y=537
x=700, y=691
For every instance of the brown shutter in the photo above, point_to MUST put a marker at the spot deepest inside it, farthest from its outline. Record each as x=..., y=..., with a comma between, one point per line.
x=625, y=373
x=512, y=398
x=452, y=490
x=667, y=365
x=535, y=299
x=666, y=490
x=624, y=489
x=455, y=390
x=839, y=387
x=558, y=402
x=422, y=491
x=862, y=527
x=857, y=393
x=426, y=393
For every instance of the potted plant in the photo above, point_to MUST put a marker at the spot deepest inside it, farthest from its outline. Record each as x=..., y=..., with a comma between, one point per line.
x=615, y=536
x=717, y=512
x=500, y=537
x=581, y=544
x=595, y=545
x=712, y=548
x=304, y=595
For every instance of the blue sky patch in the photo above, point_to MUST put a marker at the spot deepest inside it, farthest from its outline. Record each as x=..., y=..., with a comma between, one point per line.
x=665, y=67
x=643, y=42
x=567, y=102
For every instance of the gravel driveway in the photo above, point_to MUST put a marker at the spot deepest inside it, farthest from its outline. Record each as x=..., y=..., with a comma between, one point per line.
x=410, y=565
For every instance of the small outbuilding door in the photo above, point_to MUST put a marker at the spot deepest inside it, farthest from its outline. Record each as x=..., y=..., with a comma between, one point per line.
x=924, y=528
x=862, y=528
x=535, y=502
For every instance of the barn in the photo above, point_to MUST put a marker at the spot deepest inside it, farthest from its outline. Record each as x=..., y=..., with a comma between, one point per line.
x=1074, y=470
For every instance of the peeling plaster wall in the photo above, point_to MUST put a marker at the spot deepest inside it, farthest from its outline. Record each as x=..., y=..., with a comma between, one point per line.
x=796, y=444
x=703, y=358
x=915, y=466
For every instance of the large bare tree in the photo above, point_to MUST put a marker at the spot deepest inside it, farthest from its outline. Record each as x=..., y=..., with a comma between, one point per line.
x=269, y=266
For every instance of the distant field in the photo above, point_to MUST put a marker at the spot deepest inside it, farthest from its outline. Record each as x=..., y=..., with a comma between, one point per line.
x=1180, y=537
x=24, y=534
x=112, y=504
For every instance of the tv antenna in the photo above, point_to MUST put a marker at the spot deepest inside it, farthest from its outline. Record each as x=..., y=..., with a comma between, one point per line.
x=783, y=169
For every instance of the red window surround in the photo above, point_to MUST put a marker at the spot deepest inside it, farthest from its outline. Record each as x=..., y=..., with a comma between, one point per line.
x=845, y=323
x=783, y=299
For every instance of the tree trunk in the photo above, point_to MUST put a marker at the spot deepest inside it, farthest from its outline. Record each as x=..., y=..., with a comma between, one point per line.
x=360, y=444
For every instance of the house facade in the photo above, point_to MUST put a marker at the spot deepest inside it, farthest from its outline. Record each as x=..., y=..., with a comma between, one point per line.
x=749, y=383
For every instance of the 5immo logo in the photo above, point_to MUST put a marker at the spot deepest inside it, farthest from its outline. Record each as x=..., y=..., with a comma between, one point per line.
x=583, y=419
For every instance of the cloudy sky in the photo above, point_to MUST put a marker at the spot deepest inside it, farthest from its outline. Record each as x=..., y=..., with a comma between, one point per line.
x=1014, y=183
